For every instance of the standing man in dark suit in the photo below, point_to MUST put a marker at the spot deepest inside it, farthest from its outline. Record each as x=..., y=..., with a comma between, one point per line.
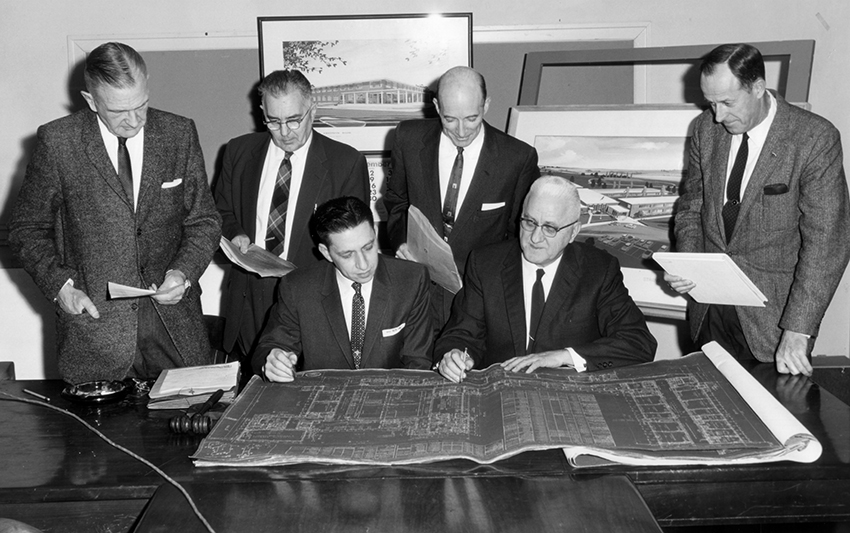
x=765, y=185
x=358, y=310
x=269, y=186
x=467, y=177
x=119, y=193
x=545, y=301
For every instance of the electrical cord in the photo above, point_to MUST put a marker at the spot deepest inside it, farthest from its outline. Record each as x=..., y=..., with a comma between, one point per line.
x=166, y=477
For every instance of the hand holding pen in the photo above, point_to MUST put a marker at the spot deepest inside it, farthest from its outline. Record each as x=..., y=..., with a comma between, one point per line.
x=455, y=364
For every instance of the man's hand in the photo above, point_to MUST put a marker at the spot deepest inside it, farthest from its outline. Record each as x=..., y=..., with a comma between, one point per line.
x=172, y=289
x=553, y=359
x=792, y=356
x=76, y=302
x=280, y=366
x=680, y=285
x=454, y=365
x=403, y=252
x=242, y=241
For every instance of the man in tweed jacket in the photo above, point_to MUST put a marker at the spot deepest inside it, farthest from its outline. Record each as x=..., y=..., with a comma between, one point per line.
x=77, y=226
x=790, y=236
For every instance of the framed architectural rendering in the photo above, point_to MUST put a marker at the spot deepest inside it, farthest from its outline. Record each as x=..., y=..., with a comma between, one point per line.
x=368, y=71
x=629, y=162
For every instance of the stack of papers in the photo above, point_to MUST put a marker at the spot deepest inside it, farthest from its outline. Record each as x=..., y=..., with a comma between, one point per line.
x=180, y=388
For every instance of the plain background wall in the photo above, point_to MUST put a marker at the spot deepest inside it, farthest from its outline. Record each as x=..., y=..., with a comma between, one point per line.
x=34, y=88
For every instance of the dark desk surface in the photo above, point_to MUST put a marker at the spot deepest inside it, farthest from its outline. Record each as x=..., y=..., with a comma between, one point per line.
x=419, y=504
x=49, y=463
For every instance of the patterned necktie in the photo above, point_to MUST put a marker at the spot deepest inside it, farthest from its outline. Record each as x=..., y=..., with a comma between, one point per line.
x=450, y=206
x=358, y=324
x=538, y=300
x=125, y=171
x=280, y=200
x=733, y=189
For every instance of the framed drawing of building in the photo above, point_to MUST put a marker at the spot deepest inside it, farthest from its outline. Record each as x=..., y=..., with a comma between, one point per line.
x=368, y=71
x=629, y=161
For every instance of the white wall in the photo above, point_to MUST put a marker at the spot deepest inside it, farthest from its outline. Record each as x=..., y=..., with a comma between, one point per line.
x=34, y=89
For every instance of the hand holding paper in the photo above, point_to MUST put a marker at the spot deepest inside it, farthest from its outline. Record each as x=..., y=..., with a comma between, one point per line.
x=257, y=260
x=428, y=248
x=717, y=279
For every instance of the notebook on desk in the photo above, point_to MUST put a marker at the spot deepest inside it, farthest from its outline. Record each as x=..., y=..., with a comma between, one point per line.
x=180, y=388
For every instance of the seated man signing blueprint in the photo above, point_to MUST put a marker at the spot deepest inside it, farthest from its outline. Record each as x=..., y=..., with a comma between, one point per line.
x=358, y=310
x=544, y=301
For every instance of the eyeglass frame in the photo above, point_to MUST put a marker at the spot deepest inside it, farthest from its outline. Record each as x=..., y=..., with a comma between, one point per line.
x=544, y=227
x=278, y=124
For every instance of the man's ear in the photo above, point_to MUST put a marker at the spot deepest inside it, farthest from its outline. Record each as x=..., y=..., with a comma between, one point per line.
x=436, y=105
x=486, y=105
x=325, y=252
x=89, y=100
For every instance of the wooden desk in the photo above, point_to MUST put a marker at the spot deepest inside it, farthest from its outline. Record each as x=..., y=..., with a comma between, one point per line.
x=419, y=504
x=56, y=475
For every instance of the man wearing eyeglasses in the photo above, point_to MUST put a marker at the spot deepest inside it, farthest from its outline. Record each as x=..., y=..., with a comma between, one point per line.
x=270, y=184
x=545, y=301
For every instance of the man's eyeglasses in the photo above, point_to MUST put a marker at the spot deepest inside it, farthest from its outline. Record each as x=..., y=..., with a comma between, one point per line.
x=292, y=124
x=548, y=231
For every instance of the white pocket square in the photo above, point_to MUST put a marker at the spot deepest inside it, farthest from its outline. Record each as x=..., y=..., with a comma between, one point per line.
x=393, y=331
x=491, y=207
x=170, y=184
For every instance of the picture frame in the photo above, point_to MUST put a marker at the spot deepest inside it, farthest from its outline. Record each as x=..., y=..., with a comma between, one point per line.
x=629, y=161
x=369, y=72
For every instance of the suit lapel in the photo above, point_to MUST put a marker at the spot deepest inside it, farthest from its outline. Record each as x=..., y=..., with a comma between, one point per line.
x=333, y=312
x=429, y=161
x=378, y=304
x=251, y=185
x=715, y=188
x=96, y=152
x=778, y=136
x=564, y=285
x=514, y=301
x=481, y=180
x=312, y=183
x=151, y=180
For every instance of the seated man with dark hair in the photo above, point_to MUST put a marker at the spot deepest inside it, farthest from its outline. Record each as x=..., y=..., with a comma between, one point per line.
x=358, y=310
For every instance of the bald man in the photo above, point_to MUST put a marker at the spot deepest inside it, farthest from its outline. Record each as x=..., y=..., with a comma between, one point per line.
x=466, y=177
x=545, y=300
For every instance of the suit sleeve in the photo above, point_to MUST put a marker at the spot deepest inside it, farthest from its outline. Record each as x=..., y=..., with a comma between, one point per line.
x=824, y=226
x=283, y=329
x=688, y=220
x=467, y=327
x=624, y=337
x=224, y=197
x=202, y=223
x=530, y=172
x=357, y=183
x=418, y=333
x=396, y=199
x=36, y=225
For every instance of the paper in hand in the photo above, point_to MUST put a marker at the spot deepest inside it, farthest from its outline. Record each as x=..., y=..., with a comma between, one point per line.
x=718, y=279
x=116, y=290
x=257, y=260
x=431, y=250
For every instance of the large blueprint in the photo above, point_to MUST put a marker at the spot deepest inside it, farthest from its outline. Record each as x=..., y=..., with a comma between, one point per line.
x=677, y=408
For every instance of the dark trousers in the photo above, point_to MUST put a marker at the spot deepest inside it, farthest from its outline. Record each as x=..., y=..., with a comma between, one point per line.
x=155, y=351
x=721, y=325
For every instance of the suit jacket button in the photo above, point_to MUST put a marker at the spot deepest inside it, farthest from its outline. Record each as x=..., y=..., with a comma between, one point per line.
x=139, y=232
x=134, y=307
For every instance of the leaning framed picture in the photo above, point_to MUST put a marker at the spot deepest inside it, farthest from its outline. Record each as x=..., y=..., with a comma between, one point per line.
x=368, y=71
x=629, y=162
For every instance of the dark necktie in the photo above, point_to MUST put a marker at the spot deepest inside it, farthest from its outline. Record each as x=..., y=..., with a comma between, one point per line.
x=277, y=213
x=125, y=171
x=538, y=300
x=358, y=324
x=450, y=206
x=733, y=189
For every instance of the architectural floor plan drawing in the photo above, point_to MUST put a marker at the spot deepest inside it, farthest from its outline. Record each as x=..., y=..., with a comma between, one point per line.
x=675, y=409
